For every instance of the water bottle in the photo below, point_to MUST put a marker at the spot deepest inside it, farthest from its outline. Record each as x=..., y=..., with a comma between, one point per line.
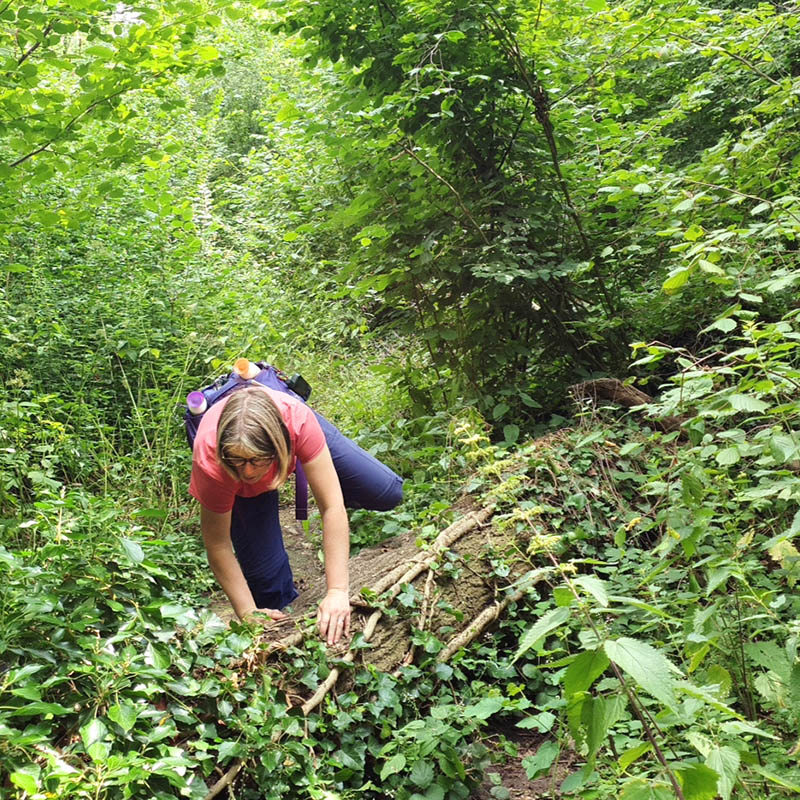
x=196, y=402
x=245, y=369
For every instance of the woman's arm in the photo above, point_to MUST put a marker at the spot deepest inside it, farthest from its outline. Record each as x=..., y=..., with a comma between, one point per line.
x=333, y=615
x=216, y=530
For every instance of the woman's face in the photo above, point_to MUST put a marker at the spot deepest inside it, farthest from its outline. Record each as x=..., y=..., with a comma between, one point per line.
x=248, y=468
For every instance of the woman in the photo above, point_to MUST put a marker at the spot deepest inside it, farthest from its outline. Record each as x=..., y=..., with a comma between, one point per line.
x=245, y=448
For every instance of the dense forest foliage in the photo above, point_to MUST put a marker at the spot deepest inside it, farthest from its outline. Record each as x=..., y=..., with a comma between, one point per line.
x=444, y=215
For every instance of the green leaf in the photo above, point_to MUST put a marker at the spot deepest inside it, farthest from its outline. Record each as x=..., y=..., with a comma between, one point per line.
x=563, y=596
x=725, y=325
x=483, y=709
x=595, y=588
x=599, y=716
x=393, y=766
x=529, y=401
x=93, y=735
x=728, y=456
x=725, y=762
x=101, y=51
x=39, y=708
x=435, y=792
x=207, y=52
x=699, y=782
x=745, y=402
x=124, y=715
x=778, y=780
x=511, y=433
x=584, y=671
x=641, y=789
x=710, y=267
x=675, y=281
x=541, y=760
x=702, y=693
x=635, y=753
x=27, y=778
x=500, y=410
x=544, y=625
x=93, y=731
x=229, y=749
x=133, y=550
x=648, y=667
x=739, y=728
x=693, y=233
x=422, y=774
x=631, y=447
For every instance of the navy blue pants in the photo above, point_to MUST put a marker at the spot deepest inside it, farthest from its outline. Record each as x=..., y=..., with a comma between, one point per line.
x=258, y=544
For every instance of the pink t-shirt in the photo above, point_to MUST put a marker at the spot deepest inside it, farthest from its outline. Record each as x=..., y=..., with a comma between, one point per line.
x=214, y=488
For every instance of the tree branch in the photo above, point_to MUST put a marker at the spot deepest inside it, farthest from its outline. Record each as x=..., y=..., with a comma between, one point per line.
x=88, y=110
x=730, y=54
x=36, y=45
x=450, y=186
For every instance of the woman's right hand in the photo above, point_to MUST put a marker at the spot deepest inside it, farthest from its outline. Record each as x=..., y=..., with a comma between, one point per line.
x=272, y=613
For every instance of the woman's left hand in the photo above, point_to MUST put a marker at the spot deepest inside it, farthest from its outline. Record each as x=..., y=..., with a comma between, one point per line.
x=333, y=615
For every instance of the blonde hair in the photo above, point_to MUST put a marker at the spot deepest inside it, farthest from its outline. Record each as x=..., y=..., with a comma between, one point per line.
x=251, y=423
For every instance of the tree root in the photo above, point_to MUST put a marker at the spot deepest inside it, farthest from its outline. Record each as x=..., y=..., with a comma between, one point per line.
x=226, y=780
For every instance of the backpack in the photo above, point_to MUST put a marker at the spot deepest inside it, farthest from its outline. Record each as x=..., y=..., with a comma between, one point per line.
x=365, y=481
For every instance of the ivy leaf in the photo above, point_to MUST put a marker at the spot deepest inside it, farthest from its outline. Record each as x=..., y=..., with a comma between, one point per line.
x=229, y=749
x=544, y=625
x=483, y=709
x=393, y=766
x=648, y=667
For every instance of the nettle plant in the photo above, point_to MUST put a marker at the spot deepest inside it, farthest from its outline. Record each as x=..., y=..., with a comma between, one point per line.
x=673, y=632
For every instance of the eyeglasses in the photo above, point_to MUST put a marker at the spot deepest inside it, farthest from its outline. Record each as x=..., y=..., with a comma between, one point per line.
x=237, y=463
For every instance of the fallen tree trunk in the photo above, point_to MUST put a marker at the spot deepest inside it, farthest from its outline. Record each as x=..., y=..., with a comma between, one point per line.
x=611, y=390
x=454, y=566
